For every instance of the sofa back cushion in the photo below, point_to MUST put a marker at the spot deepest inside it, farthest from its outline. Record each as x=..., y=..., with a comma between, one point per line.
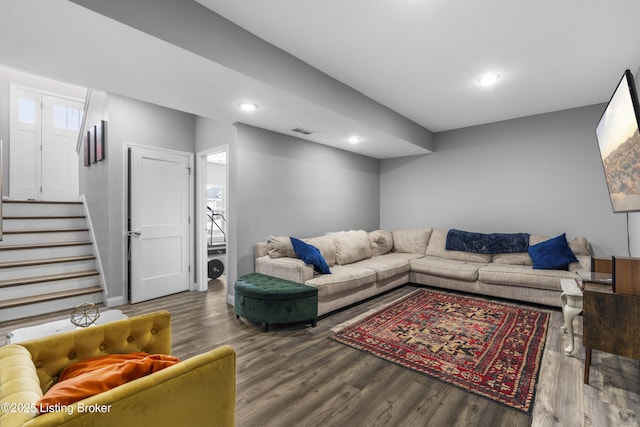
x=486, y=243
x=518, y=258
x=261, y=249
x=579, y=245
x=351, y=246
x=436, y=247
x=411, y=240
x=280, y=246
x=552, y=254
x=326, y=246
x=381, y=242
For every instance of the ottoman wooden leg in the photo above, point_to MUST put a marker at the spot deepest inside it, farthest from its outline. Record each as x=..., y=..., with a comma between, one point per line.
x=265, y=327
x=313, y=323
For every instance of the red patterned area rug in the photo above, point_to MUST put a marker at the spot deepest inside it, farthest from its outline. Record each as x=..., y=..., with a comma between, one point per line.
x=484, y=347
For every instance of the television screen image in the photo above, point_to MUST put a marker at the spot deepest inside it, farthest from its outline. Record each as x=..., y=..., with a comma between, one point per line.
x=619, y=141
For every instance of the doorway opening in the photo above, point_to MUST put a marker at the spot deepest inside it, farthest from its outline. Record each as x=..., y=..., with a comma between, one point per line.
x=212, y=205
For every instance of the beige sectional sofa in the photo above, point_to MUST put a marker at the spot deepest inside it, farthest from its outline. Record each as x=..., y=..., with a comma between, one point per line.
x=364, y=264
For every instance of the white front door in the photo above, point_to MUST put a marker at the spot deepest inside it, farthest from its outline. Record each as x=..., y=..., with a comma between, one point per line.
x=160, y=206
x=25, y=138
x=43, y=162
x=60, y=168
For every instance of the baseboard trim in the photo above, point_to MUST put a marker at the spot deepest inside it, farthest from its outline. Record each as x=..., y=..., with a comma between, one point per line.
x=115, y=301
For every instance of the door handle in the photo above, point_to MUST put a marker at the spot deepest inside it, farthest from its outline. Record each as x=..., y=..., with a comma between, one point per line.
x=133, y=233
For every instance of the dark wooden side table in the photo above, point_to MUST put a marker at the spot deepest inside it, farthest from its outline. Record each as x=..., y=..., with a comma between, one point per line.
x=611, y=324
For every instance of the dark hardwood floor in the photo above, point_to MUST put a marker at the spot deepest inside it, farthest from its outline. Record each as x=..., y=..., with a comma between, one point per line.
x=294, y=375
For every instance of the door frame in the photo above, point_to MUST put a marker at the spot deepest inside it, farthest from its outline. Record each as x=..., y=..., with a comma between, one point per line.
x=125, y=211
x=200, y=236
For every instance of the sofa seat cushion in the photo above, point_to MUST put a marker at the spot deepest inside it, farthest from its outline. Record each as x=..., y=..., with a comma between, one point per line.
x=437, y=248
x=452, y=269
x=343, y=279
x=388, y=265
x=523, y=275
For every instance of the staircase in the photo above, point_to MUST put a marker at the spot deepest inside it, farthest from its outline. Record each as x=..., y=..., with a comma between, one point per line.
x=47, y=259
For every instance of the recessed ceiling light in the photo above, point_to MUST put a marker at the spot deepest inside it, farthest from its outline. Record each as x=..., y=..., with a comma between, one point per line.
x=489, y=79
x=354, y=139
x=248, y=106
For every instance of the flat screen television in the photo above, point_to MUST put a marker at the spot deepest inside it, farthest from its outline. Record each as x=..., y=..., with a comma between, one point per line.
x=618, y=134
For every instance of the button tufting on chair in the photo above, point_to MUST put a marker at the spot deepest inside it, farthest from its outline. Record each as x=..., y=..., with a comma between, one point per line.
x=166, y=397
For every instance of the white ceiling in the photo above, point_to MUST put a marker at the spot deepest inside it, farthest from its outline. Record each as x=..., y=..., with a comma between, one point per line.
x=81, y=47
x=422, y=58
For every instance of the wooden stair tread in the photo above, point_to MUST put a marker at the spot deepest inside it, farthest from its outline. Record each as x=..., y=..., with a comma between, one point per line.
x=44, y=245
x=42, y=233
x=49, y=297
x=45, y=202
x=33, y=262
x=48, y=278
x=27, y=217
x=48, y=230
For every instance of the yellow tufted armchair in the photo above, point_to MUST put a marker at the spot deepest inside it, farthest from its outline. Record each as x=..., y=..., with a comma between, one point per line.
x=200, y=391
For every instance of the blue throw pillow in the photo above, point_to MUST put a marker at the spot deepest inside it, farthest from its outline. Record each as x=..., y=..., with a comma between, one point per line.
x=552, y=254
x=310, y=255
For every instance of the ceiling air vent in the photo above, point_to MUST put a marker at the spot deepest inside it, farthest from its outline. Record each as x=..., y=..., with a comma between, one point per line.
x=302, y=131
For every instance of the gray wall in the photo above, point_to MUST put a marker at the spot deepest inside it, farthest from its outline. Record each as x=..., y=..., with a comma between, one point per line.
x=131, y=122
x=290, y=187
x=540, y=174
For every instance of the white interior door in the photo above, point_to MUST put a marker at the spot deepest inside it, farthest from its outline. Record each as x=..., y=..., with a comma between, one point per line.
x=160, y=200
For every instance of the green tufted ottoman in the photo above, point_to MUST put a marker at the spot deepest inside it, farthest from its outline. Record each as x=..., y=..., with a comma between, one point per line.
x=268, y=299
